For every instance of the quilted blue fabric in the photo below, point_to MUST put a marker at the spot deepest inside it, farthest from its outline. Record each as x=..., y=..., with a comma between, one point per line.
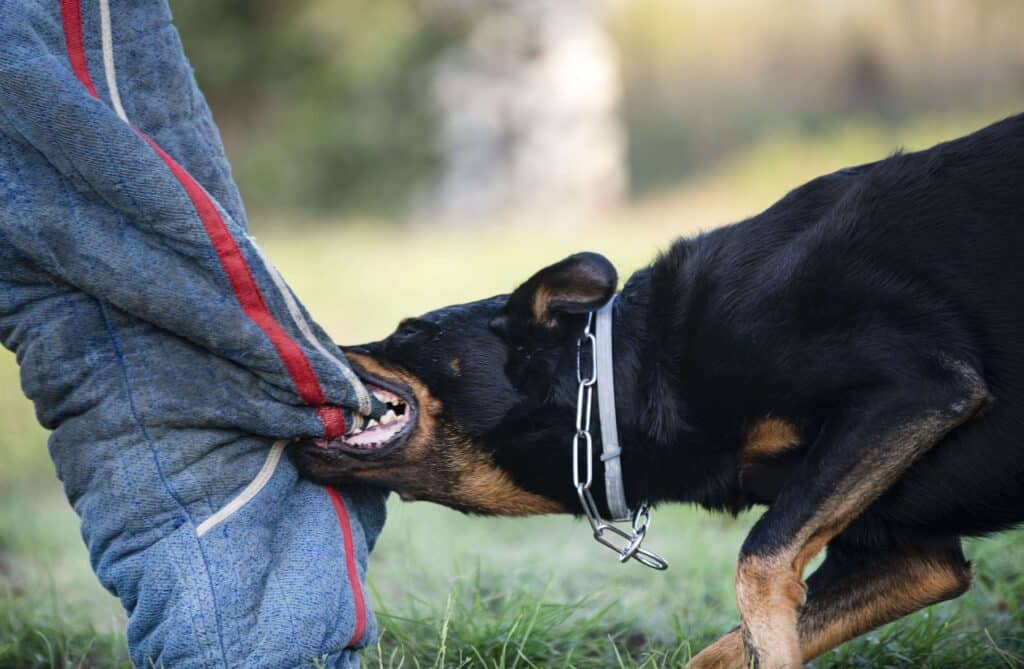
x=157, y=346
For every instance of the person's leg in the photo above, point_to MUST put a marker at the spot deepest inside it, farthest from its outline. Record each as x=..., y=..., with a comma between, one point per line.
x=220, y=554
x=167, y=413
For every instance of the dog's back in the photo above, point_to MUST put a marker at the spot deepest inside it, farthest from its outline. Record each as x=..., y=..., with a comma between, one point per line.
x=967, y=238
x=933, y=240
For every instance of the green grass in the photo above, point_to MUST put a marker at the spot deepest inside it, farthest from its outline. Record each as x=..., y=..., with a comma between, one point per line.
x=539, y=593
x=455, y=591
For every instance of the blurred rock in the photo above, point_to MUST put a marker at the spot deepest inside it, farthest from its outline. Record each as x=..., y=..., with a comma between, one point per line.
x=529, y=114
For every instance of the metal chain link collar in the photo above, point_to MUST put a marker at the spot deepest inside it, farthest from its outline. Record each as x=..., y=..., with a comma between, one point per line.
x=626, y=544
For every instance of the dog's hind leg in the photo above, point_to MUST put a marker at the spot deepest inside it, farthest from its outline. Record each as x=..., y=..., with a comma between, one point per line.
x=852, y=593
x=859, y=453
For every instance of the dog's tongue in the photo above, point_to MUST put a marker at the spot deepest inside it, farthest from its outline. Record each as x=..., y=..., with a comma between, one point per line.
x=376, y=435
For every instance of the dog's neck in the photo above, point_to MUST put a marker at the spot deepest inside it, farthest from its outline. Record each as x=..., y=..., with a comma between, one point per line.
x=666, y=457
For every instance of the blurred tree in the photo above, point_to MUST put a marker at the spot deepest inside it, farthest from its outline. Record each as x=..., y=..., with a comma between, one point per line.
x=704, y=79
x=530, y=115
x=322, y=104
x=329, y=105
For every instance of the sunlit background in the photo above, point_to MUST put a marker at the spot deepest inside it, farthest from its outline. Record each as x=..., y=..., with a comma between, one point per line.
x=396, y=156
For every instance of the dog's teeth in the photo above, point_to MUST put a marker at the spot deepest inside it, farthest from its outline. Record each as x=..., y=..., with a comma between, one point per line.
x=388, y=417
x=384, y=396
x=372, y=423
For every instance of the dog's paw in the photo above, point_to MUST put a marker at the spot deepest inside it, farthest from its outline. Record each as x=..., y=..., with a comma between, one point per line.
x=726, y=653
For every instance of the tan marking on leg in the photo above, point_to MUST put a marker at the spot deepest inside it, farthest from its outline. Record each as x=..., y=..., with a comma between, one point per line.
x=814, y=545
x=769, y=595
x=765, y=586
x=769, y=437
x=770, y=591
x=726, y=653
x=909, y=584
x=856, y=604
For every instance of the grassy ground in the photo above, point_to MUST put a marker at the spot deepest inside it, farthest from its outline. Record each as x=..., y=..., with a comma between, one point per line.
x=456, y=591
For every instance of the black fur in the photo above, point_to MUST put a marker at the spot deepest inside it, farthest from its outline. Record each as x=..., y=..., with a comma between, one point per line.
x=857, y=284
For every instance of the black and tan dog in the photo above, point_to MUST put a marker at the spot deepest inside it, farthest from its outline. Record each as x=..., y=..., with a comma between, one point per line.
x=853, y=358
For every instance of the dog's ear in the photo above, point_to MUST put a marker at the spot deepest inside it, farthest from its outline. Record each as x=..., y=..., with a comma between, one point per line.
x=581, y=283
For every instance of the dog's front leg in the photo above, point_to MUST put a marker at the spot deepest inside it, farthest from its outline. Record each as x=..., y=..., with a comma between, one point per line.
x=858, y=455
x=855, y=591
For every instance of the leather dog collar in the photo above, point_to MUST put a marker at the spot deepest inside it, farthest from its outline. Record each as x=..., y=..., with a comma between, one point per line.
x=626, y=544
x=611, y=452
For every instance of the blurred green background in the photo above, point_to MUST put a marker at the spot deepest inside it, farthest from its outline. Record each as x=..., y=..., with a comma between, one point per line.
x=328, y=107
x=341, y=125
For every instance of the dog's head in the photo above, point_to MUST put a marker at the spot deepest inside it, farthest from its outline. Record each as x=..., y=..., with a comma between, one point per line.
x=482, y=399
